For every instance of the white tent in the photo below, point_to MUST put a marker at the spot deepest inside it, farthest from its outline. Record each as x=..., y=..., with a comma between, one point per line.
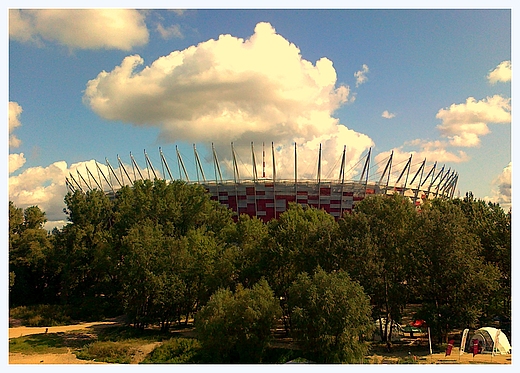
x=487, y=337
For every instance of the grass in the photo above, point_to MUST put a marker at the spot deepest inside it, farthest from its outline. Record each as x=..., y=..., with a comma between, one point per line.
x=119, y=344
x=120, y=352
x=52, y=343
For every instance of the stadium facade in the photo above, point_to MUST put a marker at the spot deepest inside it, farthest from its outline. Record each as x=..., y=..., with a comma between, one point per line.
x=267, y=198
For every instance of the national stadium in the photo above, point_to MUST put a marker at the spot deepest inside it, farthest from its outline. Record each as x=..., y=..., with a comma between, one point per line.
x=268, y=197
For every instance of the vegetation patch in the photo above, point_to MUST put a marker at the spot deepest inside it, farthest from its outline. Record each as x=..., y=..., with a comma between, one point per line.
x=41, y=315
x=110, y=352
x=175, y=351
x=52, y=343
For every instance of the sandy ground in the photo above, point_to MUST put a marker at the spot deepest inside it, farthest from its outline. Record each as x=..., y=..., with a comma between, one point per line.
x=65, y=358
x=440, y=358
x=70, y=358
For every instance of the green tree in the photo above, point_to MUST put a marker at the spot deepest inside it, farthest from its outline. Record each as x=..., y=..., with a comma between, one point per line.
x=247, y=246
x=492, y=225
x=152, y=291
x=86, y=255
x=29, y=246
x=300, y=240
x=330, y=314
x=236, y=326
x=449, y=276
x=374, y=246
x=177, y=206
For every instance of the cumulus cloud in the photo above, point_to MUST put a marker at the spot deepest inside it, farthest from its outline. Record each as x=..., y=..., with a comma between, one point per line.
x=464, y=124
x=361, y=75
x=386, y=114
x=501, y=73
x=16, y=161
x=230, y=89
x=14, y=121
x=121, y=29
x=501, y=192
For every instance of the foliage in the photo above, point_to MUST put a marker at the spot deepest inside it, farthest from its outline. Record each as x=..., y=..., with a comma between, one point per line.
x=41, y=315
x=450, y=277
x=175, y=351
x=374, y=245
x=247, y=242
x=29, y=250
x=330, y=313
x=159, y=251
x=110, y=352
x=236, y=327
x=492, y=225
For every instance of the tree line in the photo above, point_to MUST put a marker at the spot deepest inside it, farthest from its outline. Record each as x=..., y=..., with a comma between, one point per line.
x=162, y=253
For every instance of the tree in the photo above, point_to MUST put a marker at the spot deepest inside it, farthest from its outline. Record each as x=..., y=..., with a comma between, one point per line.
x=300, y=241
x=177, y=206
x=236, y=326
x=152, y=290
x=86, y=254
x=374, y=246
x=492, y=225
x=29, y=245
x=449, y=275
x=330, y=313
x=247, y=244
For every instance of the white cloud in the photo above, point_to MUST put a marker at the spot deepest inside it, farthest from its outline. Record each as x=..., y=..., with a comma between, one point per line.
x=15, y=162
x=463, y=124
x=45, y=186
x=501, y=73
x=80, y=28
x=42, y=186
x=361, y=75
x=14, y=121
x=173, y=31
x=501, y=192
x=386, y=114
x=230, y=89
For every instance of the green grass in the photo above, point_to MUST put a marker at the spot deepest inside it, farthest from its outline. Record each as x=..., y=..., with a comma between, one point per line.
x=52, y=343
x=119, y=344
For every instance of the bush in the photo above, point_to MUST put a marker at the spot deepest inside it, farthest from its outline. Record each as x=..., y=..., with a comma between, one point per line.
x=175, y=351
x=109, y=352
x=236, y=327
x=42, y=315
x=329, y=315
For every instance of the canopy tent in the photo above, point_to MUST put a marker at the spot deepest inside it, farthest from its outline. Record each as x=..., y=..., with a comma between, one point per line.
x=487, y=337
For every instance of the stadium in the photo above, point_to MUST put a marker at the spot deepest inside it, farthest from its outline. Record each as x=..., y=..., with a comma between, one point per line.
x=268, y=197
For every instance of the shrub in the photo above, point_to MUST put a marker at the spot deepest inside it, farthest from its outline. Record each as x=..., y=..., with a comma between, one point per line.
x=175, y=351
x=109, y=352
x=236, y=327
x=329, y=315
x=41, y=315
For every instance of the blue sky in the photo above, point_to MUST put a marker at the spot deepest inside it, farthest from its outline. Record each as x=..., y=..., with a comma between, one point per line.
x=432, y=83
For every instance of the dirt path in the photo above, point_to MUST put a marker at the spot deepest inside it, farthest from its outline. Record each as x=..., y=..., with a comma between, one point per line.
x=21, y=331
x=64, y=358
